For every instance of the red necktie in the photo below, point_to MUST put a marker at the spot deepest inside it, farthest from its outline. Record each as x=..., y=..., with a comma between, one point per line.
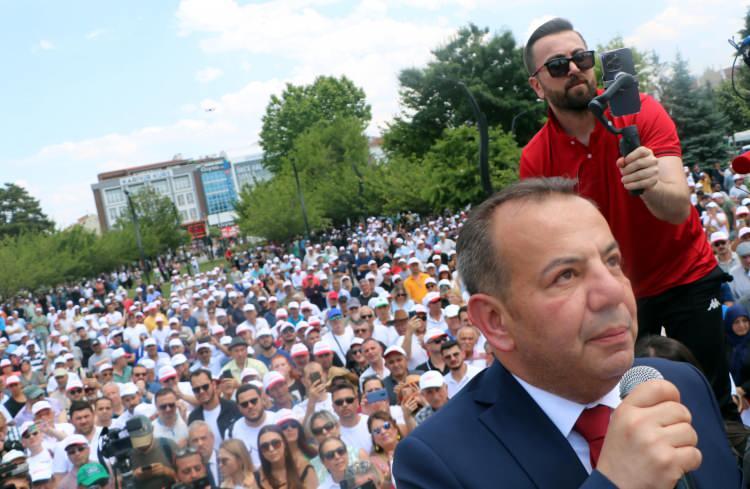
x=592, y=426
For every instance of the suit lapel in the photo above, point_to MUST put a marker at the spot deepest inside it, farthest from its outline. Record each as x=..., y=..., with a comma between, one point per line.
x=526, y=431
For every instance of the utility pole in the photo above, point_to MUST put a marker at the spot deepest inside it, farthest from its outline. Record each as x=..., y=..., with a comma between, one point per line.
x=138, y=240
x=301, y=199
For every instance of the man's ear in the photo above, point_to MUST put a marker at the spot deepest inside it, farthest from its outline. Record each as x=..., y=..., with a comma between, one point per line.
x=492, y=318
x=537, y=87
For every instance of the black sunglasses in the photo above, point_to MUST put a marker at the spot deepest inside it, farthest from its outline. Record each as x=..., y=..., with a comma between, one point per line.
x=76, y=449
x=203, y=388
x=169, y=405
x=247, y=403
x=266, y=446
x=366, y=316
x=287, y=425
x=331, y=454
x=439, y=340
x=344, y=400
x=76, y=391
x=329, y=426
x=558, y=67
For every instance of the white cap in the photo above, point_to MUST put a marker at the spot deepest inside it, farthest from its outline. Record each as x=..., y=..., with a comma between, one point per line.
x=357, y=341
x=149, y=342
x=743, y=231
x=431, y=378
x=414, y=260
x=322, y=347
x=201, y=346
x=248, y=308
x=451, y=310
x=13, y=455
x=430, y=297
x=117, y=354
x=216, y=329
x=272, y=378
x=430, y=280
x=175, y=342
x=12, y=379
x=105, y=366
x=263, y=332
x=293, y=305
x=25, y=427
x=128, y=389
x=226, y=340
x=74, y=440
x=40, y=406
x=40, y=473
x=394, y=349
x=249, y=372
x=719, y=236
x=420, y=308
x=298, y=350
x=179, y=359
x=74, y=383
x=743, y=209
x=167, y=372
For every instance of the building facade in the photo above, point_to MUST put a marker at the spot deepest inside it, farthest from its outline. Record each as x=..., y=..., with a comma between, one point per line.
x=203, y=190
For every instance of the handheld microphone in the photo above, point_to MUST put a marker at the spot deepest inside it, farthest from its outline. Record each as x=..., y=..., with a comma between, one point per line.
x=632, y=379
x=741, y=163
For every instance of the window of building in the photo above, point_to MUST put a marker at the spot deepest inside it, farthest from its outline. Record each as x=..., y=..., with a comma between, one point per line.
x=183, y=216
x=193, y=214
x=161, y=186
x=114, y=196
x=180, y=200
x=189, y=198
x=181, y=183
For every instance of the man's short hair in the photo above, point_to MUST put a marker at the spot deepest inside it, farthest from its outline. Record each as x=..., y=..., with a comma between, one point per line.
x=246, y=387
x=338, y=386
x=448, y=345
x=550, y=27
x=163, y=392
x=200, y=371
x=479, y=258
x=372, y=378
x=76, y=406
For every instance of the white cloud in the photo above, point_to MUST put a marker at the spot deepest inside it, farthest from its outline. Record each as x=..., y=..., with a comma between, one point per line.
x=45, y=45
x=209, y=74
x=95, y=34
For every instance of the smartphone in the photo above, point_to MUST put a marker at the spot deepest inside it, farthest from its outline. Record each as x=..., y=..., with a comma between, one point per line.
x=627, y=101
x=146, y=468
x=314, y=377
x=377, y=396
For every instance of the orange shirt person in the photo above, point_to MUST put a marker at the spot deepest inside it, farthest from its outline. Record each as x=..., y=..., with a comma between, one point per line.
x=415, y=283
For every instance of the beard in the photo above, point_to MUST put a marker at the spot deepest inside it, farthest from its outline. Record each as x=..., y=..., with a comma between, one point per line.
x=575, y=97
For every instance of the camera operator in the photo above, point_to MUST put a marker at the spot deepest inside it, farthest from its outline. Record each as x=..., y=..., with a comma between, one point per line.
x=666, y=255
x=191, y=469
x=151, y=457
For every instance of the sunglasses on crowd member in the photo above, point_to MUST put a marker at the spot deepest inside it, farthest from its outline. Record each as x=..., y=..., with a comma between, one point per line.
x=439, y=340
x=719, y=243
x=344, y=400
x=400, y=294
x=76, y=391
x=167, y=406
x=331, y=454
x=421, y=315
x=328, y=427
x=29, y=433
x=246, y=404
x=366, y=316
x=360, y=330
x=559, y=67
x=88, y=390
x=201, y=388
x=268, y=445
x=287, y=425
x=71, y=450
x=357, y=351
x=386, y=426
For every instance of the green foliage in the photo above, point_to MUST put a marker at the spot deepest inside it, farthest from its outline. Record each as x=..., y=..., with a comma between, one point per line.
x=301, y=107
x=159, y=223
x=648, y=67
x=21, y=213
x=700, y=124
x=491, y=67
x=737, y=110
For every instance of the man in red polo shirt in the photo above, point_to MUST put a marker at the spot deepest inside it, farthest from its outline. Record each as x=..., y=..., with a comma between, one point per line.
x=666, y=254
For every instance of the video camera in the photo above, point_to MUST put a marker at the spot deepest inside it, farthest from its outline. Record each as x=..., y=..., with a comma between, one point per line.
x=117, y=442
x=201, y=483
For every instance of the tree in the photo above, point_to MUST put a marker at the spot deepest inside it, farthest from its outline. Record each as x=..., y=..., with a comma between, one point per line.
x=159, y=223
x=21, y=213
x=491, y=66
x=700, y=124
x=648, y=67
x=301, y=107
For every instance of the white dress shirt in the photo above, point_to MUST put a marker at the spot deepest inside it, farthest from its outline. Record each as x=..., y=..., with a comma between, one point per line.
x=564, y=413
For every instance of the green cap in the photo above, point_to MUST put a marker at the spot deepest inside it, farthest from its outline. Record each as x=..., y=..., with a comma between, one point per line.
x=92, y=473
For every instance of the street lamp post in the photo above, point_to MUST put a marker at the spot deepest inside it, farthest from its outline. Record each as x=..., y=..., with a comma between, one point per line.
x=301, y=199
x=484, y=137
x=138, y=240
x=515, y=118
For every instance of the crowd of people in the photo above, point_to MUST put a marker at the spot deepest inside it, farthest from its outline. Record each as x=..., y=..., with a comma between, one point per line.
x=272, y=371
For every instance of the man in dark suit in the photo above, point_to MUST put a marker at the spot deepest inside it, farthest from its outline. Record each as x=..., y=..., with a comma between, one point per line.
x=218, y=413
x=548, y=292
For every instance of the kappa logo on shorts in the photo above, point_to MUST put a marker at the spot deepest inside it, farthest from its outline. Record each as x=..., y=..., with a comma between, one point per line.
x=714, y=304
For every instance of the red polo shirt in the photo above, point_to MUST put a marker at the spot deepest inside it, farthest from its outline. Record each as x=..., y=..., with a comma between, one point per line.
x=657, y=255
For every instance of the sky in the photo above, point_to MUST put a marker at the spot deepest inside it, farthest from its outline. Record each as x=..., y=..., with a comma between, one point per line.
x=90, y=86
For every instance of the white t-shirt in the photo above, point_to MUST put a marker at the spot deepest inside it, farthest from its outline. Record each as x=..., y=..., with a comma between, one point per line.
x=176, y=434
x=358, y=436
x=60, y=462
x=249, y=434
x=456, y=385
x=132, y=336
x=340, y=344
x=211, y=417
x=418, y=354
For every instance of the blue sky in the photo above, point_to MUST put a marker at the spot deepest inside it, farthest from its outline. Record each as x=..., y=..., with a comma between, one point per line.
x=91, y=86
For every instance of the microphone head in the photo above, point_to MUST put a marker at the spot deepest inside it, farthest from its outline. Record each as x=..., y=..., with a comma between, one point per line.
x=636, y=376
x=741, y=163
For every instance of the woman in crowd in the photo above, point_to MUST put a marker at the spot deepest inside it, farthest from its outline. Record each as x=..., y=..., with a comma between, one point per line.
x=401, y=300
x=385, y=437
x=235, y=465
x=302, y=452
x=323, y=424
x=277, y=466
x=355, y=359
x=30, y=377
x=281, y=364
x=333, y=452
x=737, y=326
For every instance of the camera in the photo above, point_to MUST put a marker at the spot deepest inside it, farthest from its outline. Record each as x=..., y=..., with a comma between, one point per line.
x=11, y=471
x=117, y=442
x=201, y=483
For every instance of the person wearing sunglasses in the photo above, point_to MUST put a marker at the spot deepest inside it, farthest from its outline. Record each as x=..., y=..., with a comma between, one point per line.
x=677, y=271
x=323, y=424
x=333, y=452
x=254, y=417
x=235, y=466
x=218, y=413
x=726, y=258
x=31, y=439
x=401, y=300
x=170, y=423
x=294, y=434
x=77, y=452
x=277, y=467
x=385, y=435
x=353, y=424
x=431, y=342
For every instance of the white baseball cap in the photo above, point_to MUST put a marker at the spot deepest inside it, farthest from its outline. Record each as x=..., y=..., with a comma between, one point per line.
x=431, y=378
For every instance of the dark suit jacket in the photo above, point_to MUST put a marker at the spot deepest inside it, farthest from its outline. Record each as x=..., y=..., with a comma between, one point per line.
x=228, y=414
x=493, y=434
